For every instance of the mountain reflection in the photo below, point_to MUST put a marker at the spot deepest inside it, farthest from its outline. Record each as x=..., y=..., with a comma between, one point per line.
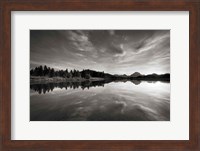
x=48, y=87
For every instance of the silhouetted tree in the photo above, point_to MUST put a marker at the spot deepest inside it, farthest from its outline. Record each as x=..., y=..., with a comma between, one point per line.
x=87, y=76
x=52, y=73
x=32, y=72
x=40, y=71
x=78, y=74
x=46, y=71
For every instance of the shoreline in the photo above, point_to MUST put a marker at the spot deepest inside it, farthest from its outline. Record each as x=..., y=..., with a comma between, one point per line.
x=36, y=79
x=46, y=80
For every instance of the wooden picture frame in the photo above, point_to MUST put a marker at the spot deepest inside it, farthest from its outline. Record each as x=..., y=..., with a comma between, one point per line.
x=193, y=6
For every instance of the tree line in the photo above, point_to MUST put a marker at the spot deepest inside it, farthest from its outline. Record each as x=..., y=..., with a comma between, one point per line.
x=51, y=72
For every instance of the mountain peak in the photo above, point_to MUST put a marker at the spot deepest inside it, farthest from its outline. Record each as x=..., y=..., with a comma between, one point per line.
x=135, y=74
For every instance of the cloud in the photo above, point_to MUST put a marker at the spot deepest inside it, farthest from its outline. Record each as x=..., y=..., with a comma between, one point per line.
x=112, y=51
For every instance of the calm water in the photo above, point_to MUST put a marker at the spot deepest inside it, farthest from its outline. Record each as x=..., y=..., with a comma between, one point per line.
x=97, y=101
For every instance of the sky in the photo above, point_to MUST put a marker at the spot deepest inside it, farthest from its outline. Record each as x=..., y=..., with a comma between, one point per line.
x=111, y=51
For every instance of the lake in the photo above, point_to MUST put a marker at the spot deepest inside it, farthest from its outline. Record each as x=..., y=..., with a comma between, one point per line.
x=100, y=101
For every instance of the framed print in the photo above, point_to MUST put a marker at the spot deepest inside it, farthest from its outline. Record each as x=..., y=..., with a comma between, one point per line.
x=93, y=75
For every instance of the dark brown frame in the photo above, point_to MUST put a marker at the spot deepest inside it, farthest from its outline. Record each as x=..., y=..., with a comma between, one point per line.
x=193, y=6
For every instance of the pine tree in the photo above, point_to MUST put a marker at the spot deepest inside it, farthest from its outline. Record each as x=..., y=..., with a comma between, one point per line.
x=52, y=73
x=45, y=71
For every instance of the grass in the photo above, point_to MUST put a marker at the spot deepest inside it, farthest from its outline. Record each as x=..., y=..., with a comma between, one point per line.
x=41, y=79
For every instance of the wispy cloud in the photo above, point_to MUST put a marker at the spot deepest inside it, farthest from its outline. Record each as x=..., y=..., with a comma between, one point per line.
x=113, y=51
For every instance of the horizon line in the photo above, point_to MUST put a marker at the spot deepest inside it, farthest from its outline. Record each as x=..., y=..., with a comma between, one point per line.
x=97, y=71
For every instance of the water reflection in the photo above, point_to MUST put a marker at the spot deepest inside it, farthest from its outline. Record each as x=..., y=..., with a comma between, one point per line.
x=48, y=87
x=100, y=101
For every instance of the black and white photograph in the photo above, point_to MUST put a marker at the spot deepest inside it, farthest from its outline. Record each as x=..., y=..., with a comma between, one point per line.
x=100, y=75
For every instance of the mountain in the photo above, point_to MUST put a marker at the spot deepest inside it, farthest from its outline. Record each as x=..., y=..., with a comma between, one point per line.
x=136, y=74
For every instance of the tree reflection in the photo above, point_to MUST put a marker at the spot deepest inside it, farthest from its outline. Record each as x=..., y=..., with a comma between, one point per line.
x=47, y=87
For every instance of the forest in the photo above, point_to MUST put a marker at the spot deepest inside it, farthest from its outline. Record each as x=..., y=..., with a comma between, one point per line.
x=51, y=72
